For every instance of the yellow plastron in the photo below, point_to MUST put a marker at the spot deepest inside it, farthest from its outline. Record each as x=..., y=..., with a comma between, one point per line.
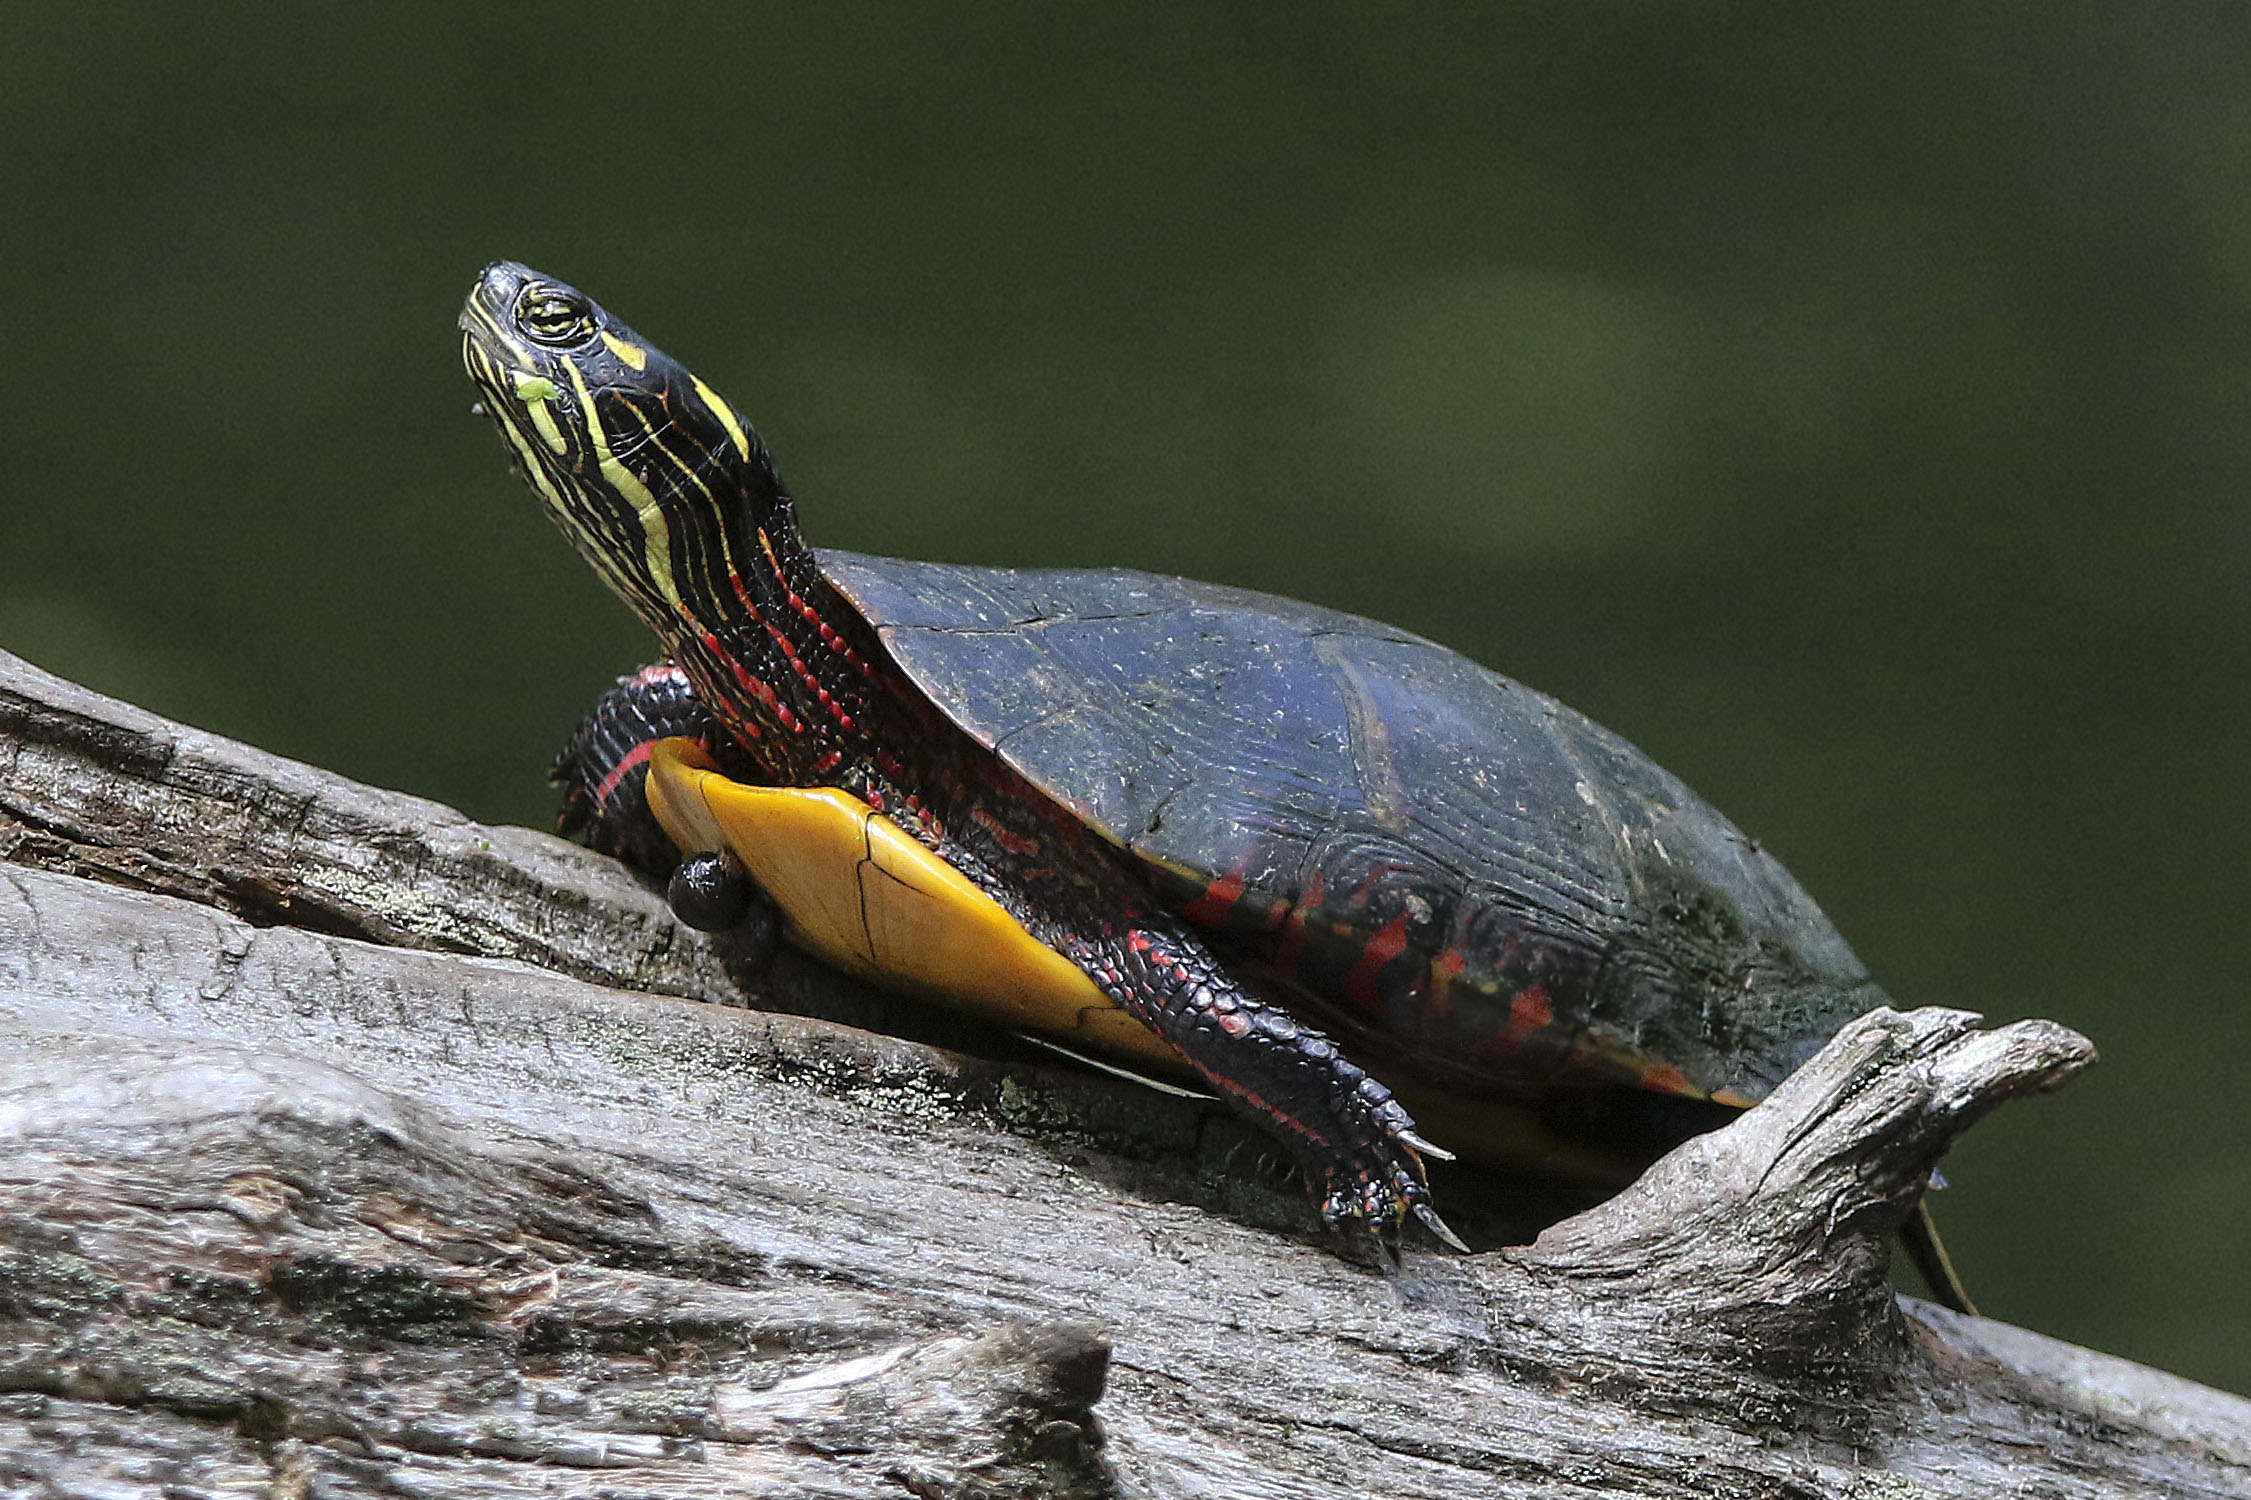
x=856, y=891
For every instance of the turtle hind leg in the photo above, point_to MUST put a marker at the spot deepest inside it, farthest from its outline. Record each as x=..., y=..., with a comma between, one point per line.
x=1078, y=896
x=604, y=774
x=1359, y=1149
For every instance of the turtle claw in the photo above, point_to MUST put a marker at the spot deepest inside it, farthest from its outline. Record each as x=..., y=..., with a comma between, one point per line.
x=1437, y=1226
x=1409, y=1138
x=1380, y=1208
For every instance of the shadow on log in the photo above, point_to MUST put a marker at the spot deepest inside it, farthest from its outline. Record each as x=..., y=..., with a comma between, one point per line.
x=350, y=1148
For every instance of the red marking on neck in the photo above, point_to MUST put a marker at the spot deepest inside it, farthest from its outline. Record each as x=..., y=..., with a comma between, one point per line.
x=788, y=647
x=805, y=675
x=756, y=686
x=1007, y=838
x=742, y=592
x=829, y=637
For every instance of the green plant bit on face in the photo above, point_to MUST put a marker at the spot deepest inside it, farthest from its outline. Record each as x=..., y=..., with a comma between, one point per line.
x=536, y=388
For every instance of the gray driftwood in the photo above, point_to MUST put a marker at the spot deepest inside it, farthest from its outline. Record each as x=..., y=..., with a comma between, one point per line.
x=350, y=1148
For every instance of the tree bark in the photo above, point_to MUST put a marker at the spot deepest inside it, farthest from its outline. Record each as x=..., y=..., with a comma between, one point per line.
x=348, y=1147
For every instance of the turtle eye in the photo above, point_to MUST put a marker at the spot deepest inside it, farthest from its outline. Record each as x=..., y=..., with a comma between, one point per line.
x=554, y=315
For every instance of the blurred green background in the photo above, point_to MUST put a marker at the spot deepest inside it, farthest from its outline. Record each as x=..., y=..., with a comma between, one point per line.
x=1846, y=404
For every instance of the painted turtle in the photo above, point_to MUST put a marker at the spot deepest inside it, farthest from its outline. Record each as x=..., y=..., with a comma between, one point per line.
x=1289, y=849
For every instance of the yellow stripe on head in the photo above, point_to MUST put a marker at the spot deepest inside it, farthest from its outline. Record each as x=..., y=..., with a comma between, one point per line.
x=632, y=354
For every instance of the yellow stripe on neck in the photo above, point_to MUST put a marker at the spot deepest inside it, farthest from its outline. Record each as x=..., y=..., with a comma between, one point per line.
x=632, y=354
x=656, y=534
x=725, y=414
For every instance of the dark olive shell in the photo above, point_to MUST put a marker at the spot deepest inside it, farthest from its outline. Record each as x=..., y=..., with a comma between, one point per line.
x=1449, y=868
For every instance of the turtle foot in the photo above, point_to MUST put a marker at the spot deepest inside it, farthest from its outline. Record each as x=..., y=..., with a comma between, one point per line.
x=1383, y=1180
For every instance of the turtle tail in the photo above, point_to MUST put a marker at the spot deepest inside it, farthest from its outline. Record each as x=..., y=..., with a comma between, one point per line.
x=1920, y=1237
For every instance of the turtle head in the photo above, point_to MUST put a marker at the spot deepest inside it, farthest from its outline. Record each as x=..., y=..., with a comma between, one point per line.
x=640, y=463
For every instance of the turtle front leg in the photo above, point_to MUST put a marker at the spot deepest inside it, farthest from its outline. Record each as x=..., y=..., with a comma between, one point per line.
x=604, y=774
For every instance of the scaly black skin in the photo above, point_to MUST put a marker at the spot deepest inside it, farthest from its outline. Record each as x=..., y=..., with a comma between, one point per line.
x=803, y=695
x=604, y=774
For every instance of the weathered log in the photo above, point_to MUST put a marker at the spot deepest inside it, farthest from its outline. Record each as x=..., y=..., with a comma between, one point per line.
x=345, y=1149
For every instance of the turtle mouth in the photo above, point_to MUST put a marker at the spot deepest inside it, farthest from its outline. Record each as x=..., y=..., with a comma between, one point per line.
x=489, y=338
x=517, y=381
x=509, y=324
x=499, y=376
x=498, y=286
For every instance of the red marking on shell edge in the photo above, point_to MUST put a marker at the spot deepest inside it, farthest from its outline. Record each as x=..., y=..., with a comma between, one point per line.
x=1386, y=945
x=1218, y=899
x=1530, y=1010
x=1733, y=1096
x=1444, y=970
x=1664, y=1078
x=635, y=757
x=1289, y=947
x=828, y=763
